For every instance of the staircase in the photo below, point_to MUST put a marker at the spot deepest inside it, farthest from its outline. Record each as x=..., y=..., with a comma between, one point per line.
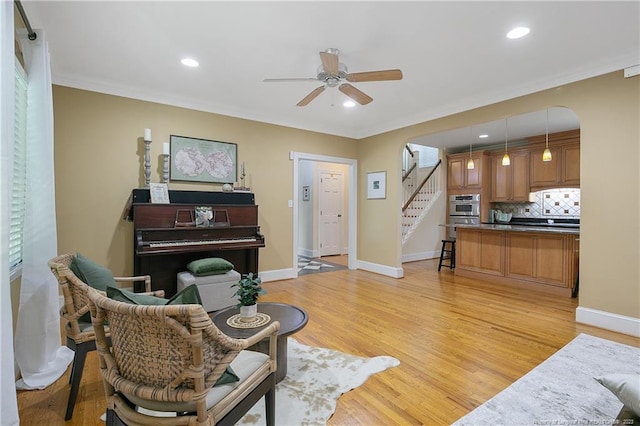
x=419, y=197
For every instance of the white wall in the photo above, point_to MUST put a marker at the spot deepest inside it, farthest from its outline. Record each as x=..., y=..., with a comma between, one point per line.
x=306, y=209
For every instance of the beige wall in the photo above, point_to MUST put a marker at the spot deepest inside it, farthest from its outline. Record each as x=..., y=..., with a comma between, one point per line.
x=98, y=161
x=608, y=107
x=99, y=152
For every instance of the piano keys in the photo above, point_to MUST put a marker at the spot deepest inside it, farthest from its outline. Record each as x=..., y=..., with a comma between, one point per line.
x=163, y=246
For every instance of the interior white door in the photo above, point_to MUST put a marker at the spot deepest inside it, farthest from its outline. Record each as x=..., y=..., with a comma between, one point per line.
x=331, y=197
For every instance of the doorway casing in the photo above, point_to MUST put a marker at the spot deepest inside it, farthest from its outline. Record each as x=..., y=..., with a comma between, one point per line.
x=297, y=157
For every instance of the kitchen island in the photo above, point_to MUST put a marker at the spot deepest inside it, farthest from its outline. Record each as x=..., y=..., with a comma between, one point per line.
x=542, y=257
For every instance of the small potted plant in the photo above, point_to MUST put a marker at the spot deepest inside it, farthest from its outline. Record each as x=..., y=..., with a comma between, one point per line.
x=249, y=290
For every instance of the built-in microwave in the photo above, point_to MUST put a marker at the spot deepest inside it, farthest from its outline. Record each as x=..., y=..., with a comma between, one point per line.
x=464, y=205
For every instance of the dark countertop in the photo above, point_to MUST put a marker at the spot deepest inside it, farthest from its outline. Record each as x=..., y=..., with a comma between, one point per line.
x=573, y=230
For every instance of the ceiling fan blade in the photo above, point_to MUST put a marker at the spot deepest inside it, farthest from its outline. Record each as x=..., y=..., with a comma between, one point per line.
x=278, y=80
x=355, y=94
x=384, y=75
x=329, y=62
x=311, y=96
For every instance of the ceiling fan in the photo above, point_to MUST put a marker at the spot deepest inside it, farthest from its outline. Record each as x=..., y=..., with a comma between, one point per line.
x=333, y=73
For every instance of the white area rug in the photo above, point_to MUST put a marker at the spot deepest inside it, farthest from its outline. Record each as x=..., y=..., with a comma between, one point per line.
x=316, y=377
x=562, y=390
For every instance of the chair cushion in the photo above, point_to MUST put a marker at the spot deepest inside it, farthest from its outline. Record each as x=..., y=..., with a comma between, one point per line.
x=209, y=266
x=188, y=296
x=245, y=364
x=91, y=273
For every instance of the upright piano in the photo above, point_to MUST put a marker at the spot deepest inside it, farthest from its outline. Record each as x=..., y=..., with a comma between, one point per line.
x=166, y=237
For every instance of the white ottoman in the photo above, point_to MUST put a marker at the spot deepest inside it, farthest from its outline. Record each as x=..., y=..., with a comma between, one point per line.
x=215, y=290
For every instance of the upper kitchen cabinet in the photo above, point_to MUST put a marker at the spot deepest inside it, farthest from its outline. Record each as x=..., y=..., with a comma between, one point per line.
x=564, y=168
x=510, y=183
x=459, y=177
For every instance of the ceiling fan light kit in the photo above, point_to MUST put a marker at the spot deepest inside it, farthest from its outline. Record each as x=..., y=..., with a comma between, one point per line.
x=332, y=73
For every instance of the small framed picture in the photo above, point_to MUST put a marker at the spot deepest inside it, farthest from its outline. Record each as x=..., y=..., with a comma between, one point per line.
x=159, y=193
x=376, y=185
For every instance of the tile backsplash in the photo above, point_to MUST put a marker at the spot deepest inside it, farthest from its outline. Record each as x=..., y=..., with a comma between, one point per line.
x=562, y=203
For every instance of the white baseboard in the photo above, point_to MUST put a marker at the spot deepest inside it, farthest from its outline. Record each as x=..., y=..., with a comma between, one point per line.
x=287, y=274
x=413, y=257
x=609, y=321
x=307, y=253
x=380, y=269
x=278, y=274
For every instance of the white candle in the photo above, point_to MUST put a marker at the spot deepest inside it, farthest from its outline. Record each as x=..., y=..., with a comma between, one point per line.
x=147, y=134
x=243, y=167
x=165, y=148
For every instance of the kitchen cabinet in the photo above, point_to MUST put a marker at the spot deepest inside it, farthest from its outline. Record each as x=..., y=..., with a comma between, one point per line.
x=459, y=177
x=571, y=164
x=510, y=183
x=480, y=251
x=543, y=260
x=540, y=258
x=564, y=168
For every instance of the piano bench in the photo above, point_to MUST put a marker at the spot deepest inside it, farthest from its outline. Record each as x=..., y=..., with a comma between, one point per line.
x=215, y=290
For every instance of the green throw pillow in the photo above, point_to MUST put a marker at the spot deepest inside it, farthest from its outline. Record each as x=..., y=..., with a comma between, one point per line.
x=93, y=274
x=228, y=376
x=188, y=296
x=209, y=266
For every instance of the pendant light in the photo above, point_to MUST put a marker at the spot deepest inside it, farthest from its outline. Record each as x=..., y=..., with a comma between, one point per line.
x=546, y=155
x=470, y=164
x=506, y=161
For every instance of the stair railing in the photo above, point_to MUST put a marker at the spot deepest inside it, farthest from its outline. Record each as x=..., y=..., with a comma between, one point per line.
x=406, y=175
x=417, y=190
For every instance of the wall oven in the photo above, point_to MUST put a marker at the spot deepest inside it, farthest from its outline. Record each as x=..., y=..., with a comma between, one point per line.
x=463, y=210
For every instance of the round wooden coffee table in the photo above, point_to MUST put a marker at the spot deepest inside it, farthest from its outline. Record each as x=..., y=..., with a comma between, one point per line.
x=291, y=318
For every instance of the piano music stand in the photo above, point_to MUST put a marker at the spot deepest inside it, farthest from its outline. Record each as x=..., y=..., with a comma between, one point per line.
x=219, y=222
x=180, y=213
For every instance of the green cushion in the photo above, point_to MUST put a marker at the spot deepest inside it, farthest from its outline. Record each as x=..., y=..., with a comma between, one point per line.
x=209, y=266
x=92, y=273
x=228, y=376
x=188, y=296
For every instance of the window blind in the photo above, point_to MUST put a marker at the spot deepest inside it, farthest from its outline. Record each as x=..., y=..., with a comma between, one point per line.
x=19, y=187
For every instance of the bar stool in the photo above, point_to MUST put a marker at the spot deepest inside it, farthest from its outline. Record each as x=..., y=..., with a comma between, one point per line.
x=448, y=253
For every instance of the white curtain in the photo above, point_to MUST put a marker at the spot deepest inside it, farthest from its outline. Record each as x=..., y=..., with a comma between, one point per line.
x=39, y=353
x=8, y=402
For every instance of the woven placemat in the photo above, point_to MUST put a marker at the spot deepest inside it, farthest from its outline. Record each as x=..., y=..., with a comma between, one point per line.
x=259, y=320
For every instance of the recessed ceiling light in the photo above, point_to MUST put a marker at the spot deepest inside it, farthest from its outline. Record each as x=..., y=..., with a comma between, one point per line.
x=189, y=62
x=349, y=104
x=483, y=136
x=518, y=32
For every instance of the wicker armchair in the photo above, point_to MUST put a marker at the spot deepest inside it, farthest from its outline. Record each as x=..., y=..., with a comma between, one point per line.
x=168, y=358
x=80, y=336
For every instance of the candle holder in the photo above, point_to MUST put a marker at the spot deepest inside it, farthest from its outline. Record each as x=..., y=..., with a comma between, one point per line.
x=147, y=163
x=242, y=176
x=165, y=169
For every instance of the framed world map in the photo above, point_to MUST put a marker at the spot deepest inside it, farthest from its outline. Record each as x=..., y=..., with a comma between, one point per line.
x=203, y=160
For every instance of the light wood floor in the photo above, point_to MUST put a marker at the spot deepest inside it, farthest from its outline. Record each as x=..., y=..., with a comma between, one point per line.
x=459, y=341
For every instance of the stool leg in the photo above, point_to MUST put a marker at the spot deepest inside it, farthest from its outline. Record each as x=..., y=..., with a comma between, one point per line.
x=441, y=255
x=452, y=262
